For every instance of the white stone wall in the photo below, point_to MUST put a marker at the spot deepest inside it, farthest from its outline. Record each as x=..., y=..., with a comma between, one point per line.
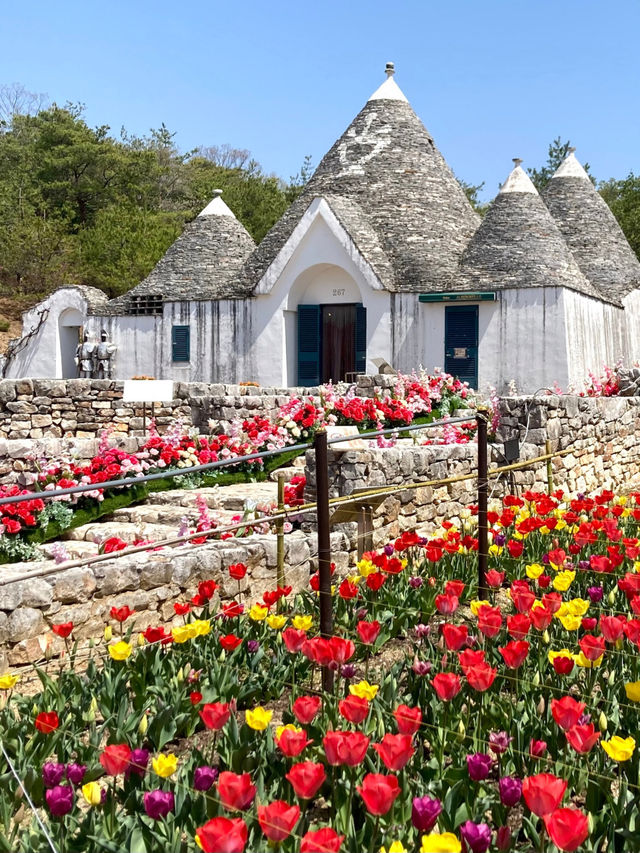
x=596, y=335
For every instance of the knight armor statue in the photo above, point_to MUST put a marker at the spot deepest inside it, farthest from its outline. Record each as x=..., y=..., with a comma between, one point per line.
x=84, y=357
x=104, y=354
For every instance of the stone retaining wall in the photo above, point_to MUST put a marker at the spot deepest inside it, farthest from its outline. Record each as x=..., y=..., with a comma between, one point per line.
x=149, y=582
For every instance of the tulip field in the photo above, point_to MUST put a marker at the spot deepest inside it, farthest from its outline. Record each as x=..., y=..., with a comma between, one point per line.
x=455, y=724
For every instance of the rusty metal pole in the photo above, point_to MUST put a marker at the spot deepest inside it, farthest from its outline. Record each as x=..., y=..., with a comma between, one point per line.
x=547, y=450
x=324, y=546
x=483, y=495
x=280, y=576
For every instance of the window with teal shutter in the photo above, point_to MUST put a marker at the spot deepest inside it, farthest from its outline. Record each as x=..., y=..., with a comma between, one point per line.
x=308, y=345
x=180, y=343
x=361, y=339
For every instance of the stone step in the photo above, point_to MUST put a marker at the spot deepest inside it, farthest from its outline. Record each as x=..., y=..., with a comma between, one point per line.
x=151, y=513
x=99, y=531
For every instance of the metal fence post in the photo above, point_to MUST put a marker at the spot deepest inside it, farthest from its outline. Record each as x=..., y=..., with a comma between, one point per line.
x=547, y=450
x=324, y=545
x=483, y=494
x=280, y=577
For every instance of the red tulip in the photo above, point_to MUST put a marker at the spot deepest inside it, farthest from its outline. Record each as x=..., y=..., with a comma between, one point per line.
x=454, y=588
x=292, y=743
x=341, y=649
x=378, y=792
x=566, y=711
x=223, y=835
x=305, y=708
x=232, y=610
x=447, y=685
x=489, y=620
x=583, y=738
x=515, y=548
x=306, y=779
x=455, y=636
x=469, y=657
x=206, y=589
x=514, y=653
x=518, y=625
x=540, y=617
x=522, y=598
x=47, y=722
x=563, y=664
x=215, y=714
x=278, y=819
x=408, y=719
x=121, y=614
x=230, y=642
x=567, y=828
x=481, y=677
x=355, y=709
x=236, y=793
x=158, y=635
x=395, y=751
x=612, y=627
x=345, y=747
x=446, y=604
x=494, y=578
x=537, y=748
x=237, y=571
x=375, y=580
x=324, y=840
x=115, y=758
x=553, y=601
x=195, y=697
x=542, y=793
x=368, y=631
x=294, y=639
x=182, y=610
x=63, y=629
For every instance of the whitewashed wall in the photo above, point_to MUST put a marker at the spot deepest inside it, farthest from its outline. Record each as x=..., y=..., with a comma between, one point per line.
x=632, y=324
x=596, y=335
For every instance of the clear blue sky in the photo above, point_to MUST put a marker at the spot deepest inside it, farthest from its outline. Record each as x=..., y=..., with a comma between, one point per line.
x=491, y=80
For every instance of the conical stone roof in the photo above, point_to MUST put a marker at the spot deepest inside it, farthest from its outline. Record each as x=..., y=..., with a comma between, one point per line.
x=518, y=245
x=203, y=263
x=386, y=163
x=591, y=230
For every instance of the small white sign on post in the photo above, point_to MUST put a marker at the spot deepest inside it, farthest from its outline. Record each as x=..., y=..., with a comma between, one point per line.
x=354, y=443
x=147, y=391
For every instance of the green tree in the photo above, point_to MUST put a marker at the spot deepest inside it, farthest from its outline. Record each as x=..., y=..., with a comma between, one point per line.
x=623, y=197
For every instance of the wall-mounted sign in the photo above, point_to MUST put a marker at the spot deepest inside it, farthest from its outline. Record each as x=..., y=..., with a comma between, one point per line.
x=471, y=296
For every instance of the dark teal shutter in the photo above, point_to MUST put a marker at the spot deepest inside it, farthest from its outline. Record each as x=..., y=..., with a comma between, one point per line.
x=308, y=345
x=180, y=343
x=461, y=342
x=361, y=339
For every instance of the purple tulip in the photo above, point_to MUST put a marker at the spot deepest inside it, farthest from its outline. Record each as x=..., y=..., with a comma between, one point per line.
x=499, y=539
x=479, y=766
x=204, y=777
x=75, y=773
x=510, y=790
x=252, y=646
x=52, y=774
x=389, y=550
x=499, y=742
x=158, y=803
x=138, y=762
x=477, y=836
x=584, y=719
x=348, y=670
x=60, y=800
x=422, y=630
x=595, y=593
x=425, y=812
x=415, y=582
x=583, y=565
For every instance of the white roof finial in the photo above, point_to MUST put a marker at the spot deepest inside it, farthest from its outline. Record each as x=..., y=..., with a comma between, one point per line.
x=389, y=91
x=216, y=206
x=570, y=167
x=518, y=180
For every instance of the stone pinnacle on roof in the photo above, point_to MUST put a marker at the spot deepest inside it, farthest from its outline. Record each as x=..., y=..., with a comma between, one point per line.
x=386, y=167
x=591, y=230
x=216, y=207
x=519, y=246
x=389, y=91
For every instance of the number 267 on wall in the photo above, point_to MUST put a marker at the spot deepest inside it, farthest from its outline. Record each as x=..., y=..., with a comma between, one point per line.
x=339, y=291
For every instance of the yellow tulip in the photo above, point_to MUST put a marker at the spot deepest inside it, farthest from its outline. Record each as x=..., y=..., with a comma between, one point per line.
x=563, y=610
x=276, y=622
x=92, y=792
x=165, y=765
x=302, y=623
x=258, y=719
x=8, y=681
x=201, y=627
x=121, y=650
x=290, y=726
x=534, y=570
x=563, y=653
x=395, y=847
x=570, y=622
x=258, y=613
x=364, y=690
x=366, y=568
x=198, y=842
x=563, y=580
x=578, y=606
x=108, y=633
x=632, y=689
x=619, y=748
x=636, y=566
x=582, y=660
x=495, y=550
x=476, y=604
x=545, y=532
x=182, y=633
x=440, y=843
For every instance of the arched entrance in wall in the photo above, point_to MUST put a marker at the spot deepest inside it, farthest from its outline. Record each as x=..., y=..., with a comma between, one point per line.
x=69, y=334
x=330, y=328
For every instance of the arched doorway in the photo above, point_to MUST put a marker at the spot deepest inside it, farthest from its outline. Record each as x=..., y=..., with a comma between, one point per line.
x=331, y=326
x=69, y=336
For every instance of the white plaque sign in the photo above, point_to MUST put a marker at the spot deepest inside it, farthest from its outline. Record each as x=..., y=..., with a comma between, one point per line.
x=147, y=391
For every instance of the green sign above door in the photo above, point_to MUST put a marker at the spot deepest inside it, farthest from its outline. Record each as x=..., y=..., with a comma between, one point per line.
x=471, y=296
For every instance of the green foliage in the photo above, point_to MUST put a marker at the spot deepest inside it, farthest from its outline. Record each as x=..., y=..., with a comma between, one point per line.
x=471, y=191
x=81, y=206
x=623, y=197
